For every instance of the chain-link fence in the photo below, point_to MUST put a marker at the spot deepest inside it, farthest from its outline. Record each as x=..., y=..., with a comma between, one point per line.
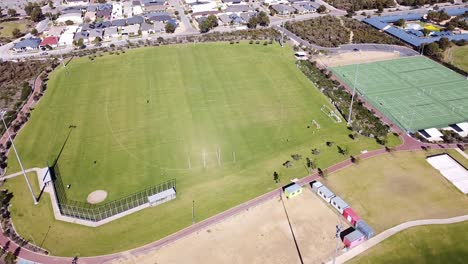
x=95, y=213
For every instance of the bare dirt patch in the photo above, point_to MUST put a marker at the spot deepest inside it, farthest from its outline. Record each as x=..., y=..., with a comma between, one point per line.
x=357, y=57
x=96, y=197
x=258, y=235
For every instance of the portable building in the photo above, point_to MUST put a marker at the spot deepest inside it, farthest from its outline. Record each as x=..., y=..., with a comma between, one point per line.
x=316, y=185
x=292, y=190
x=339, y=204
x=365, y=229
x=351, y=216
x=353, y=239
x=325, y=193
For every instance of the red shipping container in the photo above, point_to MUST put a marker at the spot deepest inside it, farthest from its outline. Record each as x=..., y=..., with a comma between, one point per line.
x=351, y=216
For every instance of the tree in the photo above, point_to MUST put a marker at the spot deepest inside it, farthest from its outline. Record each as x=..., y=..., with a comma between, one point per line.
x=253, y=22
x=79, y=43
x=34, y=31
x=444, y=43
x=276, y=177
x=16, y=33
x=1, y=14
x=263, y=19
x=12, y=12
x=204, y=26
x=10, y=258
x=51, y=4
x=170, y=28
x=69, y=23
x=400, y=22
x=97, y=40
x=321, y=9
x=213, y=20
x=160, y=39
x=432, y=49
x=36, y=14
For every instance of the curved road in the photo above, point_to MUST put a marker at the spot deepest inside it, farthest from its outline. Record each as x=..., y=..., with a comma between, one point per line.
x=396, y=229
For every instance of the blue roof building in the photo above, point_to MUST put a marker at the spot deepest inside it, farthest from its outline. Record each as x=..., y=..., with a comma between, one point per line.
x=27, y=44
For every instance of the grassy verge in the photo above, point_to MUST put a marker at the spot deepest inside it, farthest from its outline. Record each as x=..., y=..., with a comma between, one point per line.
x=424, y=244
x=457, y=56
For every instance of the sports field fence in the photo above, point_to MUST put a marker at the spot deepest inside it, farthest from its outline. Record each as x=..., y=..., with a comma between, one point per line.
x=94, y=212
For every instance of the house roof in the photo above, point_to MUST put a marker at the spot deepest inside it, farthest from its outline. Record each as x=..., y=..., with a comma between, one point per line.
x=159, y=26
x=81, y=35
x=119, y=22
x=317, y=184
x=96, y=33
x=339, y=202
x=52, y=40
x=238, y=8
x=353, y=236
x=135, y=20
x=149, y=2
x=326, y=192
x=362, y=226
x=224, y=18
x=349, y=211
x=282, y=7
x=162, y=17
x=110, y=31
x=28, y=43
x=146, y=27
x=104, y=24
x=136, y=3
x=247, y=15
x=161, y=195
x=130, y=29
x=292, y=188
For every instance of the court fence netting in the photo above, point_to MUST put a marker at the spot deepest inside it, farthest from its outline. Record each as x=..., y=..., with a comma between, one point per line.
x=98, y=212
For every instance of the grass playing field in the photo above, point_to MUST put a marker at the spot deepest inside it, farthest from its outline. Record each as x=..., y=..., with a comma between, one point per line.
x=424, y=244
x=149, y=115
x=415, y=92
x=394, y=188
x=457, y=56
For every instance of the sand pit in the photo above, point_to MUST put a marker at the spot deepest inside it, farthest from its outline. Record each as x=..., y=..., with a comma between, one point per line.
x=96, y=197
x=258, y=235
x=356, y=57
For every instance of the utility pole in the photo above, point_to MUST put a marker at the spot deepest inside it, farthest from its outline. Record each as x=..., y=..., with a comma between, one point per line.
x=17, y=156
x=352, y=97
x=193, y=212
x=337, y=236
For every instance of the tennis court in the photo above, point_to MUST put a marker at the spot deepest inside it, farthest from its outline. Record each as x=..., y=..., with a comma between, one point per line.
x=414, y=92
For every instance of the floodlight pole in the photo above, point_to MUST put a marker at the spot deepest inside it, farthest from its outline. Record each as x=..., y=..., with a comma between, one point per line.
x=337, y=236
x=352, y=97
x=19, y=160
x=282, y=34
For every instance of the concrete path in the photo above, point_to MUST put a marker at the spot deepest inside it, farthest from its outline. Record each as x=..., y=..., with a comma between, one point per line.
x=462, y=153
x=390, y=232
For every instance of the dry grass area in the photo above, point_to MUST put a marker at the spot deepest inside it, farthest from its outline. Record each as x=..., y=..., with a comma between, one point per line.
x=258, y=235
x=357, y=57
x=394, y=188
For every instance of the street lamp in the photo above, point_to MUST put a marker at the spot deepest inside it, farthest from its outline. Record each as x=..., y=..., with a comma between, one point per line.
x=2, y=113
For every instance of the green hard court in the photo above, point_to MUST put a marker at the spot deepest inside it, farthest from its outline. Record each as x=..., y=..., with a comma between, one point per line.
x=414, y=92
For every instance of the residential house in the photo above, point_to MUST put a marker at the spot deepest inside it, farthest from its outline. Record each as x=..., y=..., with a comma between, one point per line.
x=282, y=9
x=274, y=2
x=235, y=19
x=247, y=15
x=96, y=33
x=299, y=9
x=159, y=17
x=155, y=8
x=104, y=12
x=104, y=24
x=119, y=23
x=90, y=16
x=147, y=29
x=131, y=30
x=224, y=19
x=81, y=35
x=55, y=31
x=238, y=9
x=159, y=27
x=28, y=44
x=74, y=17
x=232, y=2
x=66, y=39
x=75, y=2
x=51, y=41
x=152, y=2
x=135, y=20
x=111, y=33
